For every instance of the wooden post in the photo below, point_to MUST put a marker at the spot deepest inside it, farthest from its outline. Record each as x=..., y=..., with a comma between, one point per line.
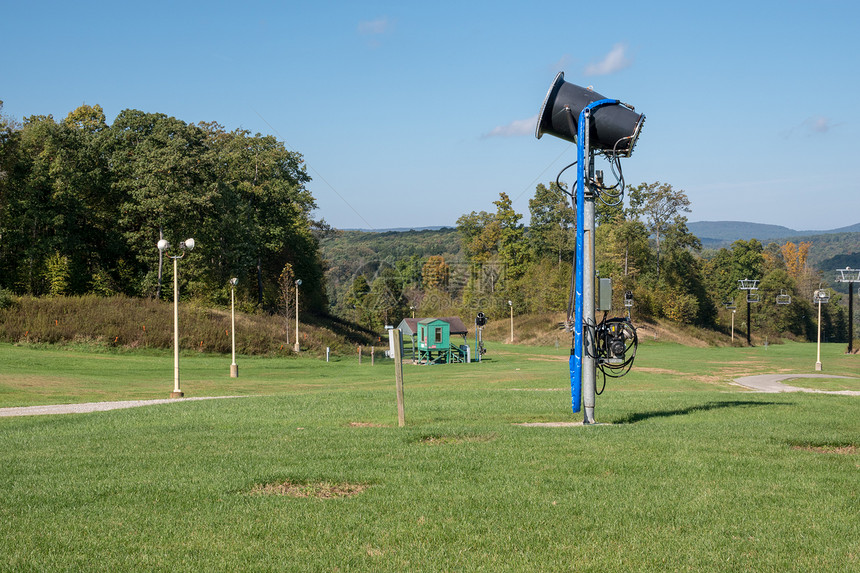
x=359, y=354
x=372, y=357
x=398, y=374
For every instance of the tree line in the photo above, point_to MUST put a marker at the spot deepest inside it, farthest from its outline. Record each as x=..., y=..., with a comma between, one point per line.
x=83, y=205
x=643, y=244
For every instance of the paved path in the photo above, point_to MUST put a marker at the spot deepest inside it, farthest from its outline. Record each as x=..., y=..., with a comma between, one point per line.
x=95, y=406
x=773, y=383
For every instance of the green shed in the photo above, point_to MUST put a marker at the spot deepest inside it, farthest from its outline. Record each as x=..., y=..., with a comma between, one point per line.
x=434, y=334
x=410, y=327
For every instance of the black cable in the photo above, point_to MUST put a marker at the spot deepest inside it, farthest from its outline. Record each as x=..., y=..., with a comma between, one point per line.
x=615, y=330
x=563, y=190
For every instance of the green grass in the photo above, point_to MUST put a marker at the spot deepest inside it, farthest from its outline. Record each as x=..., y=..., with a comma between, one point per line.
x=693, y=474
x=827, y=384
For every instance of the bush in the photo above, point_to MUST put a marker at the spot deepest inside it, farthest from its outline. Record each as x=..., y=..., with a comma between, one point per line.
x=680, y=308
x=5, y=298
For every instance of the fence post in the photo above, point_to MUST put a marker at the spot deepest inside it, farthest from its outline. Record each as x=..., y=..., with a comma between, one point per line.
x=398, y=375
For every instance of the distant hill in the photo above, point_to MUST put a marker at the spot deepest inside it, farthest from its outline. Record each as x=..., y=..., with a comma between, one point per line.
x=833, y=249
x=715, y=233
x=399, y=229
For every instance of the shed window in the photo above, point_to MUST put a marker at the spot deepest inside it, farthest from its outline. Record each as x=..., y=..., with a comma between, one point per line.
x=438, y=335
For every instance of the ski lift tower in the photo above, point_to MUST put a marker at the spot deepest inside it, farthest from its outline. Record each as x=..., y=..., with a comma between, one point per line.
x=751, y=286
x=850, y=276
x=820, y=296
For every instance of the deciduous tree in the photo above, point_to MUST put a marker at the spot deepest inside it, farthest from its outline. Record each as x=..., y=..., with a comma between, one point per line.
x=660, y=206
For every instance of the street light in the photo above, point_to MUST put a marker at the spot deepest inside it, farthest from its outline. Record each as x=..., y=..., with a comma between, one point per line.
x=820, y=296
x=296, y=345
x=186, y=245
x=234, y=369
x=511, y=304
x=730, y=305
x=733, y=324
x=412, y=308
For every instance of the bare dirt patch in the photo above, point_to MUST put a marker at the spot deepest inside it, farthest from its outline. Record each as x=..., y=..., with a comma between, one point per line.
x=652, y=331
x=660, y=371
x=536, y=389
x=322, y=490
x=843, y=450
x=708, y=379
x=447, y=440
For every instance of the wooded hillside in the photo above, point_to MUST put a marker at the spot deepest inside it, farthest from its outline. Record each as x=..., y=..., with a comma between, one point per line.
x=83, y=205
x=493, y=257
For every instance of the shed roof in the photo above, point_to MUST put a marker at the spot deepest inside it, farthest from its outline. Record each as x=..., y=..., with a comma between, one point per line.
x=409, y=326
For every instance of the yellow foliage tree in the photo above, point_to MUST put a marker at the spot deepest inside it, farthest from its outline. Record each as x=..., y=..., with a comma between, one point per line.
x=795, y=258
x=435, y=273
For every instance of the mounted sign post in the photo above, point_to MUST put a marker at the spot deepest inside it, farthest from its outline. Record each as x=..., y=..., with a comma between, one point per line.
x=593, y=122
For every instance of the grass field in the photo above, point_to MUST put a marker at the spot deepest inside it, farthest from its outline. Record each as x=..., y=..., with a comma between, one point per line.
x=690, y=472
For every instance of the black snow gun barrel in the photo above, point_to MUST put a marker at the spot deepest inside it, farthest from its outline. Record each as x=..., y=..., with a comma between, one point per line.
x=613, y=128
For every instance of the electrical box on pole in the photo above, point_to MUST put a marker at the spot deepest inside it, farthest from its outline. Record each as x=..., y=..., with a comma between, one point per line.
x=604, y=294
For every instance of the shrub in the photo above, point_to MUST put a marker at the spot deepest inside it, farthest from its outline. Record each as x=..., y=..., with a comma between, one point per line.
x=5, y=298
x=681, y=308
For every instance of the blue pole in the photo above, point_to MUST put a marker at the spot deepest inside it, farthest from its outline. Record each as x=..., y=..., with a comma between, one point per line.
x=582, y=151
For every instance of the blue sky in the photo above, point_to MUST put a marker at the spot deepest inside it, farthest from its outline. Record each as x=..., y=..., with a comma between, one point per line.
x=410, y=115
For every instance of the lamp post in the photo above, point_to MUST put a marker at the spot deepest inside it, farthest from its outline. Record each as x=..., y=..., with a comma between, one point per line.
x=184, y=246
x=296, y=346
x=820, y=296
x=234, y=369
x=733, y=325
x=511, y=304
x=412, y=308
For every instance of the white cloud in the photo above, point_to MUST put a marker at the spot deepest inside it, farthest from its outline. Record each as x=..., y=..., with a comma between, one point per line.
x=562, y=63
x=818, y=124
x=374, y=27
x=515, y=128
x=810, y=127
x=614, y=61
